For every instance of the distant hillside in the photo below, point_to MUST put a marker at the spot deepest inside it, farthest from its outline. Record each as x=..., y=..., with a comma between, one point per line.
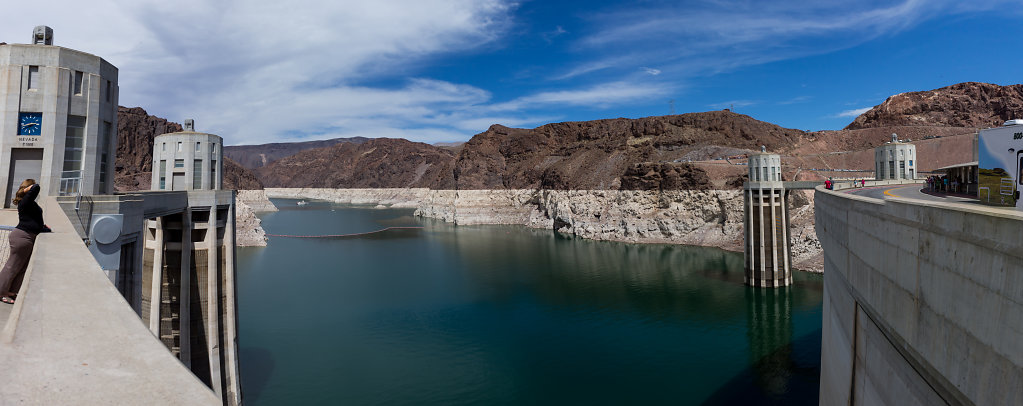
x=969, y=104
x=136, y=130
x=597, y=154
x=376, y=163
x=645, y=153
x=256, y=156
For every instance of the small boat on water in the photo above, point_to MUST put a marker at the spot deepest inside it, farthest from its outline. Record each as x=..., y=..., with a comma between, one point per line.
x=302, y=202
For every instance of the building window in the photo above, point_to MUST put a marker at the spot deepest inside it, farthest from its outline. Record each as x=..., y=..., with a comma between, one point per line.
x=198, y=146
x=104, y=154
x=213, y=175
x=891, y=169
x=179, y=146
x=163, y=147
x=163, y=174
x=213, y=147
x=179, y=163
x=33, y=77
x=910, y=162
x=902, y=169
x=197, y=174
x=79, y=78
x=109, y=88
x=765, y=173
x=74, y=140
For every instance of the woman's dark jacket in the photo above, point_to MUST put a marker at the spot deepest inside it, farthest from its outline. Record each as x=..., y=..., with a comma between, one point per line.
x=30, y=215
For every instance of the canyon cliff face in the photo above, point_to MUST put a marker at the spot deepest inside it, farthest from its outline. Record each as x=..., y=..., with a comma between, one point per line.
x=377, y=163
x=136, y=131
x=970, y=104
x=707, y=217
x=248, y=227
x=597, y=154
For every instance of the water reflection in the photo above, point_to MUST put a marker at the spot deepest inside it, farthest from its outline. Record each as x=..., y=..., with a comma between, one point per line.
x=769, y=317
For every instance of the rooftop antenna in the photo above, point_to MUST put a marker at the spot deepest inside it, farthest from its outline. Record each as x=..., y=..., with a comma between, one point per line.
x=672, y=104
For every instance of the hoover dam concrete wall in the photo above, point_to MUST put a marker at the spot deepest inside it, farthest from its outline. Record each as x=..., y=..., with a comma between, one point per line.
x=923, y=302
x=72, y=338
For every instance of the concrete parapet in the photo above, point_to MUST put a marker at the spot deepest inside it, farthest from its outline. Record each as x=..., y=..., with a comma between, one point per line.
x=73, y=339
x=923, y=302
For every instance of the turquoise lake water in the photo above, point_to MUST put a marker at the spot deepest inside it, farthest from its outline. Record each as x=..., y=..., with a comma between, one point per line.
x=507, y=315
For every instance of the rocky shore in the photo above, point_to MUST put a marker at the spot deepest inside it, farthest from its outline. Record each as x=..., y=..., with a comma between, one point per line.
x=693, y=217
x=248, y=228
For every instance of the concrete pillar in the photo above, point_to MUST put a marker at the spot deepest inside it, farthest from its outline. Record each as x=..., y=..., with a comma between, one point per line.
x=230, y=312
x=184, y=305
x=748, y=229
x=786, y=253
x=767, y=253
x=774, y=239
x=157, y=281
x=212, y=305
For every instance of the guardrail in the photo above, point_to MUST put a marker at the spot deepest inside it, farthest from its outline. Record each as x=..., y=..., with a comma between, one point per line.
x=5, y=248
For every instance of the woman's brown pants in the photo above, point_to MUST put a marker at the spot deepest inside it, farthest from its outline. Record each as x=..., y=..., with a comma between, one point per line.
x=22, y=243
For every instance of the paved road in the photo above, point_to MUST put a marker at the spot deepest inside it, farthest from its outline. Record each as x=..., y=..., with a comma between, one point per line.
x=908, y=191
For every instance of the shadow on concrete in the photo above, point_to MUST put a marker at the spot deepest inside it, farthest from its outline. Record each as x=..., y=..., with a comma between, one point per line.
x=258, y=365
x=789, y=375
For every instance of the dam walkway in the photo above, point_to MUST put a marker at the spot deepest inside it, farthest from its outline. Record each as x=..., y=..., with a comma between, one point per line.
x=71, y=338
x=923, y=298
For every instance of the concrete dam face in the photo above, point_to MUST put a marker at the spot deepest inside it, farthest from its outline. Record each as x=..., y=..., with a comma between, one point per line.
x=923, y=302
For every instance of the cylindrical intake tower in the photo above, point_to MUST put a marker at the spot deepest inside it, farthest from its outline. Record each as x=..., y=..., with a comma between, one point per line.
x=895, y=160
x=187, y=160
x=766, y=223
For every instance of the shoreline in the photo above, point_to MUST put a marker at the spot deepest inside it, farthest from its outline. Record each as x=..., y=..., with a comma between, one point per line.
x=711, y=218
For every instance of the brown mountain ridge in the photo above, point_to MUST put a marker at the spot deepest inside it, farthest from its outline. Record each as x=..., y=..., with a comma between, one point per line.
x=969, y=104
x=665, y=152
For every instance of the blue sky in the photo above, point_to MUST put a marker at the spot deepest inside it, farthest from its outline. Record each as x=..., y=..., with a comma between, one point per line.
x=268, y=71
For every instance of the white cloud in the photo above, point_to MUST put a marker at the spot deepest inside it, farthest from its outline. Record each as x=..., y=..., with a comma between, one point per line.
x=853, y=112
x=733, y=103
x=651, y=71
x=557, y=32
x=704, y=38
x=795, y=100
x=601, y=95
x=253, y=71
x=589, y=67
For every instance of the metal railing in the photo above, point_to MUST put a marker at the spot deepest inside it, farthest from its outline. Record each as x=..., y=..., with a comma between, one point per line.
x=5, y=247
x=70, y=182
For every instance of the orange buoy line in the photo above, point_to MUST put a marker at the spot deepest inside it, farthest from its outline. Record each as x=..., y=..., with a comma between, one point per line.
x=342, y=235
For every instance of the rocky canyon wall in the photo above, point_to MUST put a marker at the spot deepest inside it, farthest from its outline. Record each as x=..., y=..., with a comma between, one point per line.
x=693, y=217
x=248, y=228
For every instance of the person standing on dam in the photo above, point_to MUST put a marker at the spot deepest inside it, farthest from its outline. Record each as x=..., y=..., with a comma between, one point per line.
x=22, y=239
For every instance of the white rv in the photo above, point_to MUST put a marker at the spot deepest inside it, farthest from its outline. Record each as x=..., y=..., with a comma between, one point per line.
x=1000, y=154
